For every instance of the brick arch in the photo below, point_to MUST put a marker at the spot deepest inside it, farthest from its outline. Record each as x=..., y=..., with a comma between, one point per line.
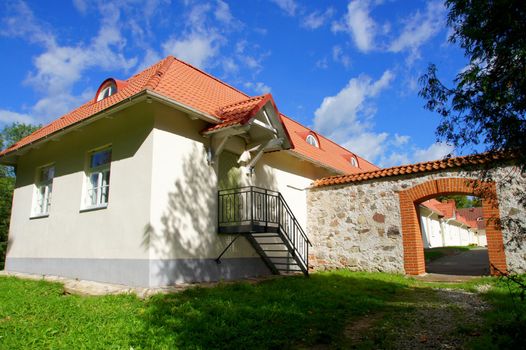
x=414, y=262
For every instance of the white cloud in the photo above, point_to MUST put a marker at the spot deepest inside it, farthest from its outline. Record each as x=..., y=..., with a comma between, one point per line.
x=400, y=140
x=59, y=68
x=81, y=6
x=394, y=159
x=400, y=156
x=368, y=145
x=150, y=57
x=359, y=24
x=435, y=151
x=258, y=87
x=195, y=49
x=342, y=112
x=289, y=6
x=222, y=12
x=317, y=19
x=9, y=117
x=20, y=22
x=419, y=28
x=340, y=57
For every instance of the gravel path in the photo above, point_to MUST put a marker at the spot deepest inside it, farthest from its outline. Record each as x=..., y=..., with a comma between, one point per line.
x=423, y=318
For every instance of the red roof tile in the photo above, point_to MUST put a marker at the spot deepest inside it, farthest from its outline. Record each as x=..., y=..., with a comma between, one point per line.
x=449, y=163
x=433, y=205
x=194, y=88
x=328, y=153
x=473, y=216
x=449, y=210
x=240, y=112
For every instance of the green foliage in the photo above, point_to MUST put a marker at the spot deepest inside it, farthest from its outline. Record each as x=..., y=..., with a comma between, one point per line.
x=488, y=103
x=462, y=201
x=8, y=136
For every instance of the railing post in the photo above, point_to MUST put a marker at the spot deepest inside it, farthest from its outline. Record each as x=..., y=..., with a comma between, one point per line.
x=251, y=205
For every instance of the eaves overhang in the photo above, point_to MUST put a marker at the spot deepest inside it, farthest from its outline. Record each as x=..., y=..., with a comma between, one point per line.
x=10, y=158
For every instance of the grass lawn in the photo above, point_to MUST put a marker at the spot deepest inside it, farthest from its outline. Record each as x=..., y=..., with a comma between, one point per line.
x=431, y=254
x=292, y=312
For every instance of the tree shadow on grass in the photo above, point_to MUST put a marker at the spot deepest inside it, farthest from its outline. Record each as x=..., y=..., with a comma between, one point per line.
x=281, y=313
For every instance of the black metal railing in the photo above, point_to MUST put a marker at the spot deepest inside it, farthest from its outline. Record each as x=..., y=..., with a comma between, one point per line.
x=254, y=209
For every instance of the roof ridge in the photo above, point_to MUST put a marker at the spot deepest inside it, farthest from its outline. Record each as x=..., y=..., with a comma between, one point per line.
x=210, y=76
x=157, y=76
x=243, y=101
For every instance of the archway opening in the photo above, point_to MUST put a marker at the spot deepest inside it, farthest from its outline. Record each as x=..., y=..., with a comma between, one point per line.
x=410, y=199
x=454, y=235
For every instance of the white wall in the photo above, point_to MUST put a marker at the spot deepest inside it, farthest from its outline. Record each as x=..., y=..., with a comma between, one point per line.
x=431, y=230
x=439, y=232
x=114, y=232
x=106, y=244
x=184, y=189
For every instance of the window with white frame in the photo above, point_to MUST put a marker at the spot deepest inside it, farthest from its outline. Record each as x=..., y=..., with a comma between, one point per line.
x=43, y=190
x=98, y=179
x=354, y=162
x=107, y=90
x=311, y=140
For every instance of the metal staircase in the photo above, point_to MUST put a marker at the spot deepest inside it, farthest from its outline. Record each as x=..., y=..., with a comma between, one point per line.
x=265, y=219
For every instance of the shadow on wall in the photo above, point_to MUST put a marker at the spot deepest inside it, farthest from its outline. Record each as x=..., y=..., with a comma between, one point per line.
x=184, y=246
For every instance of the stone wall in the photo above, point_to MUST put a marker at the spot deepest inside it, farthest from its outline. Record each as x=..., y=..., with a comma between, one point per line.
x=358, y=225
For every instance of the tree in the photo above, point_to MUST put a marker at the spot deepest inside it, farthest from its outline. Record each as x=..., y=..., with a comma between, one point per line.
x=8, y=136
x=462, y=201
x=487, y=105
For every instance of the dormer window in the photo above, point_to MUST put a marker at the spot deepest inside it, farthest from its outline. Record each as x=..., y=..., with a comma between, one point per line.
x=312, y=140
x=107, y=89
x=354, y=162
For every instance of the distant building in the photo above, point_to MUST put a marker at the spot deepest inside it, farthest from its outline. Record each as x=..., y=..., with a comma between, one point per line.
x=444, y=225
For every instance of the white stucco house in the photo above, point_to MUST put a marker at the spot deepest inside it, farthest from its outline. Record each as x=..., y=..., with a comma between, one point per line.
x=148, y=183
x=443, y=225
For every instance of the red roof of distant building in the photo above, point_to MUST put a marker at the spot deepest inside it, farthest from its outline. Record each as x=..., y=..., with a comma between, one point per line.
x=204, y=93
x=448, y=210
x=474, y=216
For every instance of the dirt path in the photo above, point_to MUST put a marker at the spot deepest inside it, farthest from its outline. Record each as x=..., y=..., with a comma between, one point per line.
x=420, y=318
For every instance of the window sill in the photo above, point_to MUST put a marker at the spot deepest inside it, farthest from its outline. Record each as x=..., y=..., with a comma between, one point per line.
x=39, y=216
x=99, y=207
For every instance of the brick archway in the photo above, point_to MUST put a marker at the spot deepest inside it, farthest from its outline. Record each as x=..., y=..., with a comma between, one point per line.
x=414, y=262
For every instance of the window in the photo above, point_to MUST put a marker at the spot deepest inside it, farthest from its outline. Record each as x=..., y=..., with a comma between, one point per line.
x=311, y=140
x=44, y=187
x=354, y=162
x=98, y=179
x=107, y=90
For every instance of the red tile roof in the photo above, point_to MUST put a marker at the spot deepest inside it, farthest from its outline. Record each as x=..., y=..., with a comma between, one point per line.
x=239, y=113
x=196, y=89
x=472, y=215
x=328, y=153
x=449, y=163
x=433, y=205
x=449, y=210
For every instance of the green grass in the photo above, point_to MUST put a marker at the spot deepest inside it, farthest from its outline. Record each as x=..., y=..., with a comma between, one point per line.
x=279, y=313
x=505, y=323
x=292, y=312
x=431, y=254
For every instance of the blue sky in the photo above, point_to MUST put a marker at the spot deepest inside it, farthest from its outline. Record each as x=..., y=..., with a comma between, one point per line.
x=348, y=69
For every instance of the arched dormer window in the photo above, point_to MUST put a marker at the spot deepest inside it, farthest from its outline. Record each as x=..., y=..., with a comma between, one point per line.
x=108, y=88
x=354, y=162
x=312, y=140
